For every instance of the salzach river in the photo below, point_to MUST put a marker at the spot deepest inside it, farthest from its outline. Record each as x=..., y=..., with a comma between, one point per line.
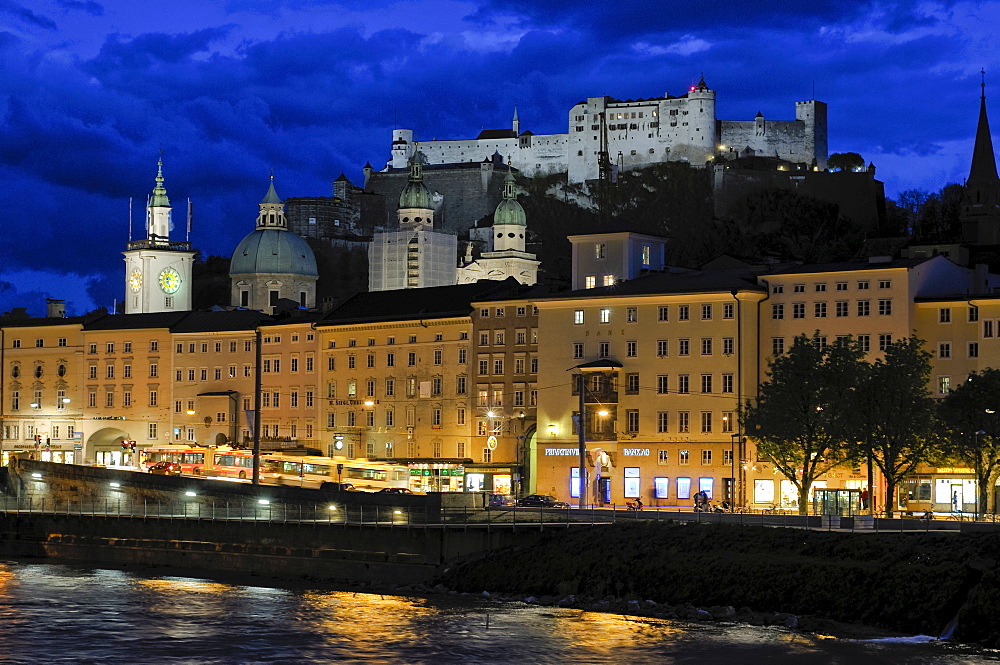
x=56, y=613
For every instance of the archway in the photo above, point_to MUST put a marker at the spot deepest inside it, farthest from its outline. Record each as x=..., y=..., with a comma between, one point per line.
x=105, y=447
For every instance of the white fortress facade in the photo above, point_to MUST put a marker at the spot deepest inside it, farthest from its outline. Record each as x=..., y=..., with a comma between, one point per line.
x=639, y=132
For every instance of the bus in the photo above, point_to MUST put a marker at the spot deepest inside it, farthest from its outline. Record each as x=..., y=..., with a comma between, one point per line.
x=312, y=472
x=222, y=462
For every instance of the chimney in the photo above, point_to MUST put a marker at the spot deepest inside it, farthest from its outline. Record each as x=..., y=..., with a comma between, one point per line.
x=55, y=309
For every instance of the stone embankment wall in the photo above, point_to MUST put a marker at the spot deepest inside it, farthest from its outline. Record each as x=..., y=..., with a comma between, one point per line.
x=909, y=582
x=150, y=520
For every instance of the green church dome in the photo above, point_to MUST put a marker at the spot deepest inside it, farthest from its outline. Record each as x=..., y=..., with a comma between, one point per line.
x=416, y=194
x=509, y=211
x=273, y=251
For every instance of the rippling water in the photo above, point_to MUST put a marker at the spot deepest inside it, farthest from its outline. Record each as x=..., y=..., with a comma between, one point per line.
x=52, y=613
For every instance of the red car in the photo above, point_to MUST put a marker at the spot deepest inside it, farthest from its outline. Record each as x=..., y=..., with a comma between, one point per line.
x=166, y=469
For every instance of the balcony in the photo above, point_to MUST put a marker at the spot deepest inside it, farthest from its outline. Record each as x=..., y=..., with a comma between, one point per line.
x=172, y=245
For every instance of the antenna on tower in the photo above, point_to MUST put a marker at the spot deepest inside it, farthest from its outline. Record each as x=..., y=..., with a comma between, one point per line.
x=187, y=238
x=130, y=219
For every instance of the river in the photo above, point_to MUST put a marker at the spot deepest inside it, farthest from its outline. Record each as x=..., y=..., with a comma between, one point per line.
x=69, y=613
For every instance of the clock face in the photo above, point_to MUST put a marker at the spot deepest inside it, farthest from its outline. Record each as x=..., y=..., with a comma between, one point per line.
x=170, y=281
x=135, y=280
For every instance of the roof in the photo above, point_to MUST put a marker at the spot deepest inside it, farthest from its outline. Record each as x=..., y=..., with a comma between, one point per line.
x=42, y=321
x=496, y=134
x=604, y=363
x=273, y=251
x=984, y=163
x=665, y=283
x=619, y=226
x=436, y=302
x=846, y=266
x=206, y=321
x=136, y=321
x=271, y=196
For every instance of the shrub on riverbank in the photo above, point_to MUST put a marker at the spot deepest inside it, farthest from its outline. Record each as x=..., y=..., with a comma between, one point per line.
x=905, y=582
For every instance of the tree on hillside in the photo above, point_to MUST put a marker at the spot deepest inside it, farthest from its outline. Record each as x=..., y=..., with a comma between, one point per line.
x=970, y=419
x=894, y=412
x=784, y=222
x=801, y=419
x=845, y=161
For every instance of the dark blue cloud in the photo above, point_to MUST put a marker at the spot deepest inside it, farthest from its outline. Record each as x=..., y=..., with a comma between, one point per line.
x=26, y=15
x=88, y=6
x=82, y=130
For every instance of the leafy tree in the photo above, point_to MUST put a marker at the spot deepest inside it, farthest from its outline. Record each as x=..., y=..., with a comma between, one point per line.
x=909, y=202
x=970, y=420
x=801, y=418
x=894, y=412
x=845, y=161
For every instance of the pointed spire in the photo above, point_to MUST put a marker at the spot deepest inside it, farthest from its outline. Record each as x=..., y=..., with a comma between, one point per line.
x=159, y=198
x=272, y=211
x=515, y=113
x=271, y=196
x=984, y=163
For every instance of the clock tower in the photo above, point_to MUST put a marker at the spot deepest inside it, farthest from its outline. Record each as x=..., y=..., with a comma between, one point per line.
x=157, y=269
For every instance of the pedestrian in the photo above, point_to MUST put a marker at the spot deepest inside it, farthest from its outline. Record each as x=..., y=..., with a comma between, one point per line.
x=864, y=498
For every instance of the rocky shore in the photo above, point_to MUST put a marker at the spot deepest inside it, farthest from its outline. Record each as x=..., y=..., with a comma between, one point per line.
x=847, y=584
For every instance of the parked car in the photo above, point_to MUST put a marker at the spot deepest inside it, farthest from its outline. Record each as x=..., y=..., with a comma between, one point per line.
x=338, y=487
x=394, y=490
x=542, y=500
x=497, y=500
x=166, y=469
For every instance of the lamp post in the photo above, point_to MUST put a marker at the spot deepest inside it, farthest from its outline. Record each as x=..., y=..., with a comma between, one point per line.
x=979, y=467
x=582, y=439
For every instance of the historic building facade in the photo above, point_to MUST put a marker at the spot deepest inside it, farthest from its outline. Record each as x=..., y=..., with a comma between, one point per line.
x=636, y=133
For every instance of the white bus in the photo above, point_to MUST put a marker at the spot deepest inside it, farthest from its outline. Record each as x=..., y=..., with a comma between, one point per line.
x=312, y=472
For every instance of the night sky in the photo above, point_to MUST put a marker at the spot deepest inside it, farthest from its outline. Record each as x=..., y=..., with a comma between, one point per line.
x=91, y=91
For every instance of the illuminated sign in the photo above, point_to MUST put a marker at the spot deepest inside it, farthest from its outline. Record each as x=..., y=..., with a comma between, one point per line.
x=635, y=452
x=561, y=452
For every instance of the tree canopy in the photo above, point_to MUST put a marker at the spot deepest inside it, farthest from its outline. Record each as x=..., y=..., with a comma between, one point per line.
x=969, y=417
x=801, y=419
x=894, y=412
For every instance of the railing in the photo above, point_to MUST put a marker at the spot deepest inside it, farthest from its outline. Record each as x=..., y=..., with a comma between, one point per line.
x=174, y=245
x=333, y=512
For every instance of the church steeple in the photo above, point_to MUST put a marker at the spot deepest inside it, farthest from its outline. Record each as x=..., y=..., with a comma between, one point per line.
x=272, y=211
x=516, y=123
x=158, y=222
x=981, y=201
x=984, y=163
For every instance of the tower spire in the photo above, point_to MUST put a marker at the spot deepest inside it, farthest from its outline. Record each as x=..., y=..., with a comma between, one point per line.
x=984, y=163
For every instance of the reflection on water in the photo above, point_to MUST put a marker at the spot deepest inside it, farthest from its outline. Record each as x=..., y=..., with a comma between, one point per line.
x=69, y=614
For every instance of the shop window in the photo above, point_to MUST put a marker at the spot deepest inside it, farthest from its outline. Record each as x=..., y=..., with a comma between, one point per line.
x=631, y=487
x=683, y=488
x=661, y=488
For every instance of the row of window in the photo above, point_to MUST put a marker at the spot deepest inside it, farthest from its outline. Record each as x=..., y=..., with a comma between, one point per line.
x=820, y=287
x=498, y=337
x=58, y=431
x=499, y=312
x=391, y=341
x=707, y=347
x=841, y=309
x=681, y=423
x=39, y=343
x=604, y=314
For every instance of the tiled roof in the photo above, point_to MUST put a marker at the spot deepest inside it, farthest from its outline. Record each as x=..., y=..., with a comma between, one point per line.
x=134, y=321
x=695, y=281
x=407, y=304
x=41, y=321
x=237, y=319
x=845, y=266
